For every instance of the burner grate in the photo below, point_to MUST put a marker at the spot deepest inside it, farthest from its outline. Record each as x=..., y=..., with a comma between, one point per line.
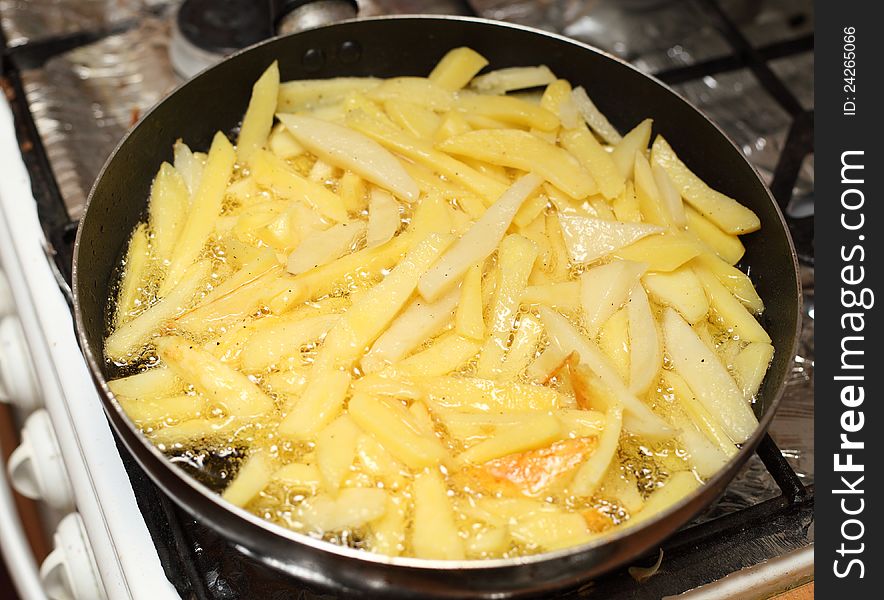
x=202, y=566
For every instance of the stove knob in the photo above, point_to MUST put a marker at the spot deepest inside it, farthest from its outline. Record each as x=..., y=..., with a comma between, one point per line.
x=18, y=382
x=36, y=468
x=70, y=571
x=7, y=305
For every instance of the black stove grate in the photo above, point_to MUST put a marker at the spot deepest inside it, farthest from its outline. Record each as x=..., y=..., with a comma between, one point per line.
x=202, y=566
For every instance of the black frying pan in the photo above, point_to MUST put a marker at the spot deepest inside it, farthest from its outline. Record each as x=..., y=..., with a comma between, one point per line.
x=386, y=47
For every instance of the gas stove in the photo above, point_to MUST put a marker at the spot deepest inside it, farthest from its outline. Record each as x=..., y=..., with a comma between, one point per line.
x=77, y=74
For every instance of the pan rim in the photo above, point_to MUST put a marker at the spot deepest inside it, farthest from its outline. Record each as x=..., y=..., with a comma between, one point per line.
x=721, y=478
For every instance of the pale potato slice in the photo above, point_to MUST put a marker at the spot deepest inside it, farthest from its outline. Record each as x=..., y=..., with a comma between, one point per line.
x=508, y=110
x=709, y=380
x=132, y=285
x=448, y=353
x=147, y=411
x=604, y=289
x=730, y=310
x=590, y=475
x=421, y=90
x=298, y=477
x=189, y=164
x=283, y=144
x=664, y=253
x=457, y=68
x=750, y=366
x=526, y=340
x=544, y=430
x=351, y=509
x=522, y=150
x=351, y=188
x=510, y=79
x=423, y=152
x=322, y=401
x=468, y=318
x=388, y=534
x=589, y=239
x=613, y=340
x=551, y=531
x=557, y=100
x=594, y=118
x=258, y=119
x=395, y=428
x=728, y=247
x=336, y=450
x=565, y=295
x=515, y=258
x=196, y=431
x=669, y=196
x=416, y=324
x=434, y=531
x=350, y=150
x=679, y=486
x=252, y=477
x=322, y=247
x=147, y=385
x=725, y=212
x=282, y=339
x=643, y=420
x=737, y=282
x=168, y=205
x=206, y=207
x=383, y=218
x=645, y=345
x=650, y=200
x=636, y=140
x=626, y=206
x=218, y=382
x=484, y=395
x=487, y=542
x=133, y=334
x=479, y=241
x=680, y=289
x=306, y=94
x=417, y=120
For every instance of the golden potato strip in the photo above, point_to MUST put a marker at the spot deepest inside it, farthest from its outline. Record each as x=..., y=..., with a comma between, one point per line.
x=565, y=295
x=679, y=486
x=298, y=477
x=562, y=333
x=415, y=89
x=383, y=218
x=457, y=68
x=645, y=345
x=750, y=366
x=472, y=393
x=681, y=289
x=736, y=282
x=544, y=430
x=589, y=239
x=509, y=110
x=190, y=165
x=130, y=336
x=147, y=385
x=453, y=124
x=704, y=420
x=258, y=119
x=372, y=312
x=724, y=211
x=531, y=209
x=235, y=305
x=167, y=208
x=204, y=211
x=728, y=247
x=217, y=381
x=351, y=509
x=707, y=377
x=336, y=450
x=322, y=401
x=416, y=324
x=510, y=79
x=552, y=530
x=388, y=533
x=147, y=411
x=417, y=120
x=135, y=271
x=326, y=278
x=322, y=247
x=253, y=476
x=434, y=532
x=283, y=339
x=448, y=353
x=665, y=252
x=468, y=319
x=670, y=197
x=522, y=150
x=597, y=121
x=423, y=152
x=626, y=206
x=592, y=156
x=291, y=382
x=479, y=241
x=604, y=289
x=283, y=144
x=396, y=429
x=592, y=472
x=636, y=140
x=352, y=151
x=557, y=100
x=352, y=190
x=306, y=94
x=613, y=339
x=650, y=200
x=263, y=262
x=196, y=432
x=515, y=257
x=273, y=172
x=731, y=310
x=522, y=350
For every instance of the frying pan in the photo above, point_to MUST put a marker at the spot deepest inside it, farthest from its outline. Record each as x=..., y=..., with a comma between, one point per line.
x=384, y=47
